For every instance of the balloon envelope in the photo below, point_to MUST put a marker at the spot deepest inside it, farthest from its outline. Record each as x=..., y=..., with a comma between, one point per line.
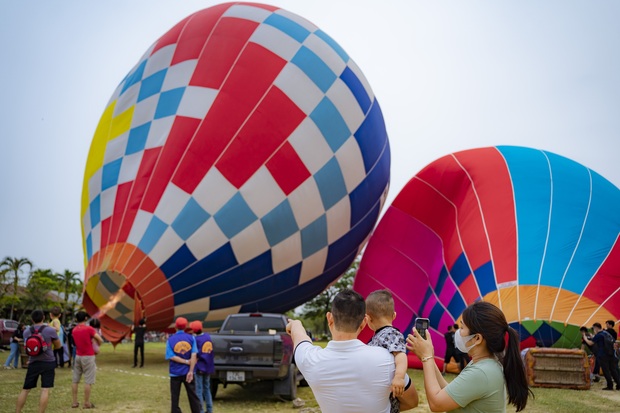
x=239, y=166
x=530, y=231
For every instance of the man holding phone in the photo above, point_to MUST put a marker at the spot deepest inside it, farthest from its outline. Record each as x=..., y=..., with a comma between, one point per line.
x=347, y=376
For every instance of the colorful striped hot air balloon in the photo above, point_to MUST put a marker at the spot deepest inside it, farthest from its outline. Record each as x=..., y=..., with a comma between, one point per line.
x=533, y=232
x=239, y=166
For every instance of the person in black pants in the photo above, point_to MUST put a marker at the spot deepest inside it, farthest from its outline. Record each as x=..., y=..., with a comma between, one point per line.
x=594, y=350
x=460, y=357
x=450, y=350
x=70, y=343
x=610, y=329
x=181, y=351
x=605, y=360
x=138, y=342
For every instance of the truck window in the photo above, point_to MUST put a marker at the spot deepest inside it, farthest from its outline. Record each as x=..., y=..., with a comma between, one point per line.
x=255, y=324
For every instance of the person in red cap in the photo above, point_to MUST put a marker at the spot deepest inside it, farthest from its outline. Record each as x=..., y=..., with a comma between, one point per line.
x=204, y=366
x=181, y=350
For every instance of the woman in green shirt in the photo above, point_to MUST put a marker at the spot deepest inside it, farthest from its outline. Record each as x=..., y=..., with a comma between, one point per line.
x=495, y=375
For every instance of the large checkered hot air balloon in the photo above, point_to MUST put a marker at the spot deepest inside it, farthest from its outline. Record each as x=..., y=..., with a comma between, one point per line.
x=239, y=166
x=533, y=232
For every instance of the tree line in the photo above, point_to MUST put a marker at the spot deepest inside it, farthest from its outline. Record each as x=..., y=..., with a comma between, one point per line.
x=312, y=313
x=23, y=288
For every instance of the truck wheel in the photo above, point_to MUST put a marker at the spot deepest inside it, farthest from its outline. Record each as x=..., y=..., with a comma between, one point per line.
x=213, y=387
x=287, y=387
x=300, y=379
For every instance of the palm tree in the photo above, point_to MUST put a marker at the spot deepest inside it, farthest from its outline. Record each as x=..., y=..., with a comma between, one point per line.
x=68, y=282
x=14, y=266
x=40, y=283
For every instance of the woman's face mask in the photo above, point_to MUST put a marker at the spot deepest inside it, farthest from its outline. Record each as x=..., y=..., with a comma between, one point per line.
x=459, y=341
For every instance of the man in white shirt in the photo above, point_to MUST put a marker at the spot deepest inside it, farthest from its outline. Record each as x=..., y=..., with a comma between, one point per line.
x=347, y=375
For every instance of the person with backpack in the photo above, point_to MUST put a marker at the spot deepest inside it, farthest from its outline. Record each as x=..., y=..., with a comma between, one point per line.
x=605, y=355
x=40, y=341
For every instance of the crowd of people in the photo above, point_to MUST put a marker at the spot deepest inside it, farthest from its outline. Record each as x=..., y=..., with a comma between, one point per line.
x=50, y=356
x=345, y=376
x=492, y=373
x=189, y=352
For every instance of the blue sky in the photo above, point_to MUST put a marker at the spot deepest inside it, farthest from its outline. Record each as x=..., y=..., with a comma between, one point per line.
x=449, y=76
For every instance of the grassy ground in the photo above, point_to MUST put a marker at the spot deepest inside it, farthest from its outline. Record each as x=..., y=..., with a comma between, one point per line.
x=120, y=388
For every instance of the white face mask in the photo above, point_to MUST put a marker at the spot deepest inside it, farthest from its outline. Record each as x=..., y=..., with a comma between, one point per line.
x=459, y=341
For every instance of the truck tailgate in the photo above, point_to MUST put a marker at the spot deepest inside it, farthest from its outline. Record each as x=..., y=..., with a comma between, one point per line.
x=240, y=350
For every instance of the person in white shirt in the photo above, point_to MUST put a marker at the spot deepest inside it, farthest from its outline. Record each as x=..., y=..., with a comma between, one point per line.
x=347, y=375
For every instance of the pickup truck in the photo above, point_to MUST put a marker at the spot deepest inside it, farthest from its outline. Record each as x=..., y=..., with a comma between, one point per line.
x=7, y=328
x=254, y=347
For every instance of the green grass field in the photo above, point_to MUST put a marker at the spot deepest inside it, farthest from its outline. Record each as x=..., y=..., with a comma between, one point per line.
x=120, y=388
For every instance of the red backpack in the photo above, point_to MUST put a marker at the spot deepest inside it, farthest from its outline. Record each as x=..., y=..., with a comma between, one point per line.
x=35, y=344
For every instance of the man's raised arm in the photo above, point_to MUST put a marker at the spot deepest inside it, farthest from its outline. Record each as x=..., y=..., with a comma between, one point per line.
x=297, y=332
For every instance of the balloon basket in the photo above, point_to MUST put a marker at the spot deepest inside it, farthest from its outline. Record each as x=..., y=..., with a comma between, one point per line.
x=558, y=368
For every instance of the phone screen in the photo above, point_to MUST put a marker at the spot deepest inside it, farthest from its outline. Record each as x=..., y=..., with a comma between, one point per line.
x=421, y=324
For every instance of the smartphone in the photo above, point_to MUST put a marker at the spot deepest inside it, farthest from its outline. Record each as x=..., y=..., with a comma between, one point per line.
x=421, y=325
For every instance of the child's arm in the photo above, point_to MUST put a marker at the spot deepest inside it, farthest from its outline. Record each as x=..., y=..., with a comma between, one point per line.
x=398, y=383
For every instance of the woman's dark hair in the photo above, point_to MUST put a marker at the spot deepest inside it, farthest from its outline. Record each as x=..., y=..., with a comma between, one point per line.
x=81, y=316
x=489, y=321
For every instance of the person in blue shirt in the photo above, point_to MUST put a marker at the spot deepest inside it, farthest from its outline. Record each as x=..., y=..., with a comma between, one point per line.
x=43, y=365
x=205, y=366
x=181, y=351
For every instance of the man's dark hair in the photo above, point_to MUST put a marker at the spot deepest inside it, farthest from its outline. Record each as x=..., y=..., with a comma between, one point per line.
x=37, y=316
x=611, y=323
x=81, y=316
x=349, y=310
x=584, y=329
x=597, y=325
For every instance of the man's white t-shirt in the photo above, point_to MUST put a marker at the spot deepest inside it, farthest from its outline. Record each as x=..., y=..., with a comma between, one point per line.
x=347, y=376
